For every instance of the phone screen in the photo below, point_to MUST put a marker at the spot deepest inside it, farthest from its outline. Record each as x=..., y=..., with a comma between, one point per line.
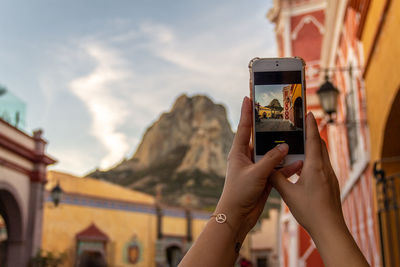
x=278, y=109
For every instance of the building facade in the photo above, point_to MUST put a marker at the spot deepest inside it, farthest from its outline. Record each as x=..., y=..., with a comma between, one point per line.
x=299, y=28
x=326, y=34
x=119, y=226
x=23, y=163
x=381, y=45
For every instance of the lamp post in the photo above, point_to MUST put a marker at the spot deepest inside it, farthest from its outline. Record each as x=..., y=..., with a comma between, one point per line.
x=328, y=95
x=56, y=194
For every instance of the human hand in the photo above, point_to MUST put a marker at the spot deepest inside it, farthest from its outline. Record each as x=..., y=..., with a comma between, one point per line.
x=246, y=186
x=314, y=199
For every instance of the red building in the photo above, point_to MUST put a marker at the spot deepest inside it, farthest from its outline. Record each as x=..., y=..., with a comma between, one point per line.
x=324, y=34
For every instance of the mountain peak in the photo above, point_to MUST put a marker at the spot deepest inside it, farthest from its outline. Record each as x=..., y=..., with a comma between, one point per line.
x=189, y=144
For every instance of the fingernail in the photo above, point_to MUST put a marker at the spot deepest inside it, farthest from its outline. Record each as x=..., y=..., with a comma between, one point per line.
x=284, y=148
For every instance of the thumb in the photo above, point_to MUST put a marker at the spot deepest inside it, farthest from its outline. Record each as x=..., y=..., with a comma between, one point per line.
x=282, y=185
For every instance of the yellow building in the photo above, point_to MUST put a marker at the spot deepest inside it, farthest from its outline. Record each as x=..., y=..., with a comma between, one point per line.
x=93, y=213
x=381, y=42
x=265, y=112
x=100, y=220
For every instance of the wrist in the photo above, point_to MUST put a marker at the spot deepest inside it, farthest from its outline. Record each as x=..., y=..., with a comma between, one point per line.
x=234, y=218
x=327, y=229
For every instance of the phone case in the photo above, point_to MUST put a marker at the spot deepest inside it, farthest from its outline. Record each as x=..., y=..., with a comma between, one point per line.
x=250, y=66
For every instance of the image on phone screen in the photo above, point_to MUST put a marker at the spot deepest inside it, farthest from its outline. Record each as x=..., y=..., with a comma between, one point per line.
x=278, y=111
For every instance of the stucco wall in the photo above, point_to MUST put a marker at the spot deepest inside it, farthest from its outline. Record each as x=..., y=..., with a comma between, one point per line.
x=61, y=224
x=88, y=201
x=382, y=80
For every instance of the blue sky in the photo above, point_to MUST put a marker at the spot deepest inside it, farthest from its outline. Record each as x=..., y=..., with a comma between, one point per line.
x=96, y=74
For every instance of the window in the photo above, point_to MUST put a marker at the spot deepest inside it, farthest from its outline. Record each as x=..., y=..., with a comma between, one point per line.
x=262, y=262
x=351, y=119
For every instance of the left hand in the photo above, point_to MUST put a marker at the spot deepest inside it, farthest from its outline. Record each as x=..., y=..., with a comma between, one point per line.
x=246, y=186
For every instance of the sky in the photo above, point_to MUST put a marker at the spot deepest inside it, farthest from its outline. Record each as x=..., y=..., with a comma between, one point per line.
x=266, y=93
x=95, y=74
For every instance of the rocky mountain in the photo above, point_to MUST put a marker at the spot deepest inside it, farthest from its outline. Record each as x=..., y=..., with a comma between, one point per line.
x=275, y=104
x=184, y=152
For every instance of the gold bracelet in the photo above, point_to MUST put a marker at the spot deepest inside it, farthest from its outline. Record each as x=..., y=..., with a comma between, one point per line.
x=221, y=219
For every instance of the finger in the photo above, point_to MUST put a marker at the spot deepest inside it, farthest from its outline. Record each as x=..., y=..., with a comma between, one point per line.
x=325, y=154
x=328, y=165
x=313, y=142
x=266, y=165
x=291, y=169
x=242, y=137
x=282, y=185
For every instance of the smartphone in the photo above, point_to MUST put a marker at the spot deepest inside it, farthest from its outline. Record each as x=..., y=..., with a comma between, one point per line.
x=277, y=90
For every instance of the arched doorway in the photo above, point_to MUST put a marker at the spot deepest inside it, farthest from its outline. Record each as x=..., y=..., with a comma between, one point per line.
x=3, y=241
x=391, y=137
x=92, y=258
x=174, y=255
x=388, y=187
x=298, y=113
x=12, y=247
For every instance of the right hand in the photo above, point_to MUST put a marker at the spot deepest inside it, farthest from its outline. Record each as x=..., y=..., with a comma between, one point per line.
x=314, y=199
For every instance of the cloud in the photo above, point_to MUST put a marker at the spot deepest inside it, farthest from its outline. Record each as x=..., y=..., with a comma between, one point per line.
x=127, y=77
x=97, y=91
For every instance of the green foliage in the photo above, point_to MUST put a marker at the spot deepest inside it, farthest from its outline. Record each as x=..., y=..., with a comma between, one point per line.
x=47, y=259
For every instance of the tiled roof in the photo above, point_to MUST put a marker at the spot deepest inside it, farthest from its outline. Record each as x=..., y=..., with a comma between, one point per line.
x=92, y=233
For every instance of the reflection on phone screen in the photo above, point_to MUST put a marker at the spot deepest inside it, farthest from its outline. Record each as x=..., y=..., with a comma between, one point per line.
x=278, y=111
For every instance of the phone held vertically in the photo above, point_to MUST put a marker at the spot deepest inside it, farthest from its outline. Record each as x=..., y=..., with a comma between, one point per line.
x=277, y=90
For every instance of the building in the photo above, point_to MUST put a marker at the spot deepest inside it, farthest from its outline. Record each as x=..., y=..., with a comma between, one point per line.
x=326, y=34
x=299, y=28
x=349, y=141
x=381, y=49
x=264, y=241
x=122, y=227
x=23, y=163
x=293, y=105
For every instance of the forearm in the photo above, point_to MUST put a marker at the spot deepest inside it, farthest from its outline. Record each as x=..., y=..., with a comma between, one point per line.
x=214, y=247
x=337, y=246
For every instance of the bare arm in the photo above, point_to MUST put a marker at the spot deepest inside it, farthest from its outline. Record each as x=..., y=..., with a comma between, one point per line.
x=245, y=192
x=314, y=201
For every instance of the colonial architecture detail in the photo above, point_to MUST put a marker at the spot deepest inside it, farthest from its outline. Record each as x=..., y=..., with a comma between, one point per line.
x=324, y=33
x=23, y=163
x=116, y=225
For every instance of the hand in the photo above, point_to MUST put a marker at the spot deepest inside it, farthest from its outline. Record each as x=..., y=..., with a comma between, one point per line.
x=246, y=186
x=314, y=201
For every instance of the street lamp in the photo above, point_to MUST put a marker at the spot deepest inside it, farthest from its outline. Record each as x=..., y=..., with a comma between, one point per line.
x=328, y=95
x=56, y=193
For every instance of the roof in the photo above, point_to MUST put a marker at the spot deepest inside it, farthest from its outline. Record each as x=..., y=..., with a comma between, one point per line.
x=92, y=232
x=96, y=188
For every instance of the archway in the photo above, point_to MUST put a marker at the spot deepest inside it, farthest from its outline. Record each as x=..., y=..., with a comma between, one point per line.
x=92, y=258
x=388, y=187
x=3, y=241
x=12, y=247
x=391, y=137
x=174, y=255
x=298, y=113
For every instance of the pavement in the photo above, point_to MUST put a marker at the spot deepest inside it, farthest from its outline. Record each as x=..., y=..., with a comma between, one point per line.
x=273, y=125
